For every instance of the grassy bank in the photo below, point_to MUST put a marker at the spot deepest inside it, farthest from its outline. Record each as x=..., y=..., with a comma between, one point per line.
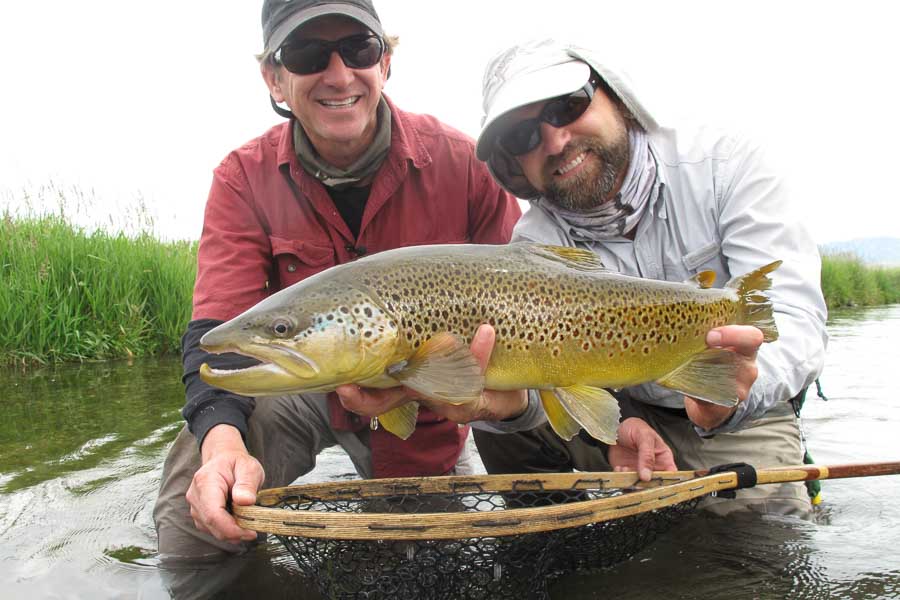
x=70, y=294
x=847, y=281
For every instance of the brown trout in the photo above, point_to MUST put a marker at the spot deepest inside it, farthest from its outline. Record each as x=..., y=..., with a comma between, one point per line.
x=565, y=326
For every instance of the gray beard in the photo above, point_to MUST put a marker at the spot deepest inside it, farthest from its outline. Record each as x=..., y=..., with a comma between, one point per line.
x=586, y=191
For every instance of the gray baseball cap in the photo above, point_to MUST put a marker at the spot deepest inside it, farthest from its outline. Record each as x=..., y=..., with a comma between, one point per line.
x=281, y=17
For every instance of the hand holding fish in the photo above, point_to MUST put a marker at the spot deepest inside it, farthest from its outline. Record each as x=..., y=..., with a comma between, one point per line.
x=640, y=448
x=492, y=406
x=227, y=468
x=745, y=341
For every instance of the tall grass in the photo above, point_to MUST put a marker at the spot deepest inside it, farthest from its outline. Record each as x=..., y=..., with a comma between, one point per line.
x=70, y=294
x=847, y=281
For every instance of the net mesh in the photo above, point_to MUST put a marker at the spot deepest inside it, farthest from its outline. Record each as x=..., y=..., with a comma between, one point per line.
x=509, y=566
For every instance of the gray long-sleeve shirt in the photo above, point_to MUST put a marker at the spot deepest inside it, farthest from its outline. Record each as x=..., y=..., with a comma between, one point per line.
x=720, y=206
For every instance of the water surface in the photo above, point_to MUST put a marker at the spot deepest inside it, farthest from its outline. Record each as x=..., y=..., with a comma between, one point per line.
x=82, y=446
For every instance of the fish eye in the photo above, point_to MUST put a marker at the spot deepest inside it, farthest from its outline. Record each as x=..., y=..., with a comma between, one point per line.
x=282, y=327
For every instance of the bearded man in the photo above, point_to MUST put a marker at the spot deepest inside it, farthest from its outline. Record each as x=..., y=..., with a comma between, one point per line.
x=567, y=132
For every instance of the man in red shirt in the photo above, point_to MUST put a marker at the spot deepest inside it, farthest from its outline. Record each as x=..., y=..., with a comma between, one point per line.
x=349, y=174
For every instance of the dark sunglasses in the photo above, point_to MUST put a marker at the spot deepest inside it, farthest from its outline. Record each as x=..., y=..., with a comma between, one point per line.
x=305, y=57
x=524, y=136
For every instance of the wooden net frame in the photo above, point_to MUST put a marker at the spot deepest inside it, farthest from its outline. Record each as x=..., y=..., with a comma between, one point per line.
x=489, y=536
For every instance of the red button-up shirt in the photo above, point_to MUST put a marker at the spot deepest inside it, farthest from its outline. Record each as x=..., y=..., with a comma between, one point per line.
x=269, y=224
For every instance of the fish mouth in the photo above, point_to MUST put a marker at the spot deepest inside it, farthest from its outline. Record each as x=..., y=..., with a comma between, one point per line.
x=281, y=370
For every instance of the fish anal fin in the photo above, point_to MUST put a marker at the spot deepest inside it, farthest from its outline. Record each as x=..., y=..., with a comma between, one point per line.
x=593, y=408
x=560, y=420
x=443, y=368
x=710, y=375
x=401, y=421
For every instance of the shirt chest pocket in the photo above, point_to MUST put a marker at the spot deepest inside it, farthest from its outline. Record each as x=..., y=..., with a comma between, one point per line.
x=707, y=257
x=295, y=260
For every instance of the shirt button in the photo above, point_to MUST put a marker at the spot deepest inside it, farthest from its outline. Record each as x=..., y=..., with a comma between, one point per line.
x=291, y=268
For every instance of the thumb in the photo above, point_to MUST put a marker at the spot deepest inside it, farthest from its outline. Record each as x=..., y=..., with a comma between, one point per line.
x=246, y=482
x=483, y=345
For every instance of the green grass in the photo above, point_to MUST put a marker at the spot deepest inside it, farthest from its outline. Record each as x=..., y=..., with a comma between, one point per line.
x=68, y=293
x=71, y=294
x=847, y=281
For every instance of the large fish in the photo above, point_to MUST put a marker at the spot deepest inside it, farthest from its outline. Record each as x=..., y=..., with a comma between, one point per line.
x=565, y=326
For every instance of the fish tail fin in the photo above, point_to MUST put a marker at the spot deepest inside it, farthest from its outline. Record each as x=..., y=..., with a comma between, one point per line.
x=755, y=308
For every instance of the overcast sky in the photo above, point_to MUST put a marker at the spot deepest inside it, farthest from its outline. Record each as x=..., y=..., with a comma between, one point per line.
x=128, y=100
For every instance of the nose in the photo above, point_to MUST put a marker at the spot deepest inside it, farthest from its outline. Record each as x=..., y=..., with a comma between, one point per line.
x=553, y=139
x=337, y=74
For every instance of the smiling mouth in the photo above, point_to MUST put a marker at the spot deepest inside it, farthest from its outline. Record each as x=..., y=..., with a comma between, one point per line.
x=571, y=164
x=342, y=103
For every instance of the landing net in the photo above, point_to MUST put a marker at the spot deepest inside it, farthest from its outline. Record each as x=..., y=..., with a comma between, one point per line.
x=467, y=537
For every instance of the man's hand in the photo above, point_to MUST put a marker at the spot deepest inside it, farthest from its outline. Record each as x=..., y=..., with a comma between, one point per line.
x=745, y=340
x=640, y=449
x=491, y=406
x=227, y=466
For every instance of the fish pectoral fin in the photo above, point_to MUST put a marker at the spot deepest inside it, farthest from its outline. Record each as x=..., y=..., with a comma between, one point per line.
x=401, y=421
x=577, y=258
x=560, y=420
x=710, y=375
x=443, y=368
x=594, y=408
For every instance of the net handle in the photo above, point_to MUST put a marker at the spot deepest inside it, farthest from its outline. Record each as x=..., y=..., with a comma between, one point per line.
x=812, y=472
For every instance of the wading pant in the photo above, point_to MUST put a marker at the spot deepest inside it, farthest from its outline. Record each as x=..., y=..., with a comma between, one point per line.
x=771, y=441
x=285, y=434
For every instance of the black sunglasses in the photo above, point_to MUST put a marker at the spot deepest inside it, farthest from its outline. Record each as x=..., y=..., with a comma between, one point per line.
x=305, y=57
x=524, y=136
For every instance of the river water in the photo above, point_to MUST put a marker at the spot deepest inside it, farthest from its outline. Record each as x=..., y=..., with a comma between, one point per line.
x=81, y=449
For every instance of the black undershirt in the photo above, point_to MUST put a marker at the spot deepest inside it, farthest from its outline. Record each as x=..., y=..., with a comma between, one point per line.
x=351, y=203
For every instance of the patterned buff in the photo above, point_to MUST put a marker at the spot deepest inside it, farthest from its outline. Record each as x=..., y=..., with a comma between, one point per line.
x=364, y=166
x=620, y=215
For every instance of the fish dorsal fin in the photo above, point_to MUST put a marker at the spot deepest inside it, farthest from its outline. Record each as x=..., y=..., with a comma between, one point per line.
x=594, y=408
x=710, y=376
x=576, y=258
x=703, y=280
x=443, y=368
x=401, y=421
x=560, y=420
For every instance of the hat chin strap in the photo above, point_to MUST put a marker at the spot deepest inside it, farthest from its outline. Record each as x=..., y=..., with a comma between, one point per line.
x=281, y=111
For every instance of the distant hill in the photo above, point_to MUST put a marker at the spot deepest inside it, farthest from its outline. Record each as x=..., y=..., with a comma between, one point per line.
x=874, y=251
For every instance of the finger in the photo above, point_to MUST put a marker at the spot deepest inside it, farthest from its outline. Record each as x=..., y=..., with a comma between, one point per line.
x=222, y=525
x=665, y=460
x=745, y=339
x=369, y=402
x=646, y=456
x=483, y=344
